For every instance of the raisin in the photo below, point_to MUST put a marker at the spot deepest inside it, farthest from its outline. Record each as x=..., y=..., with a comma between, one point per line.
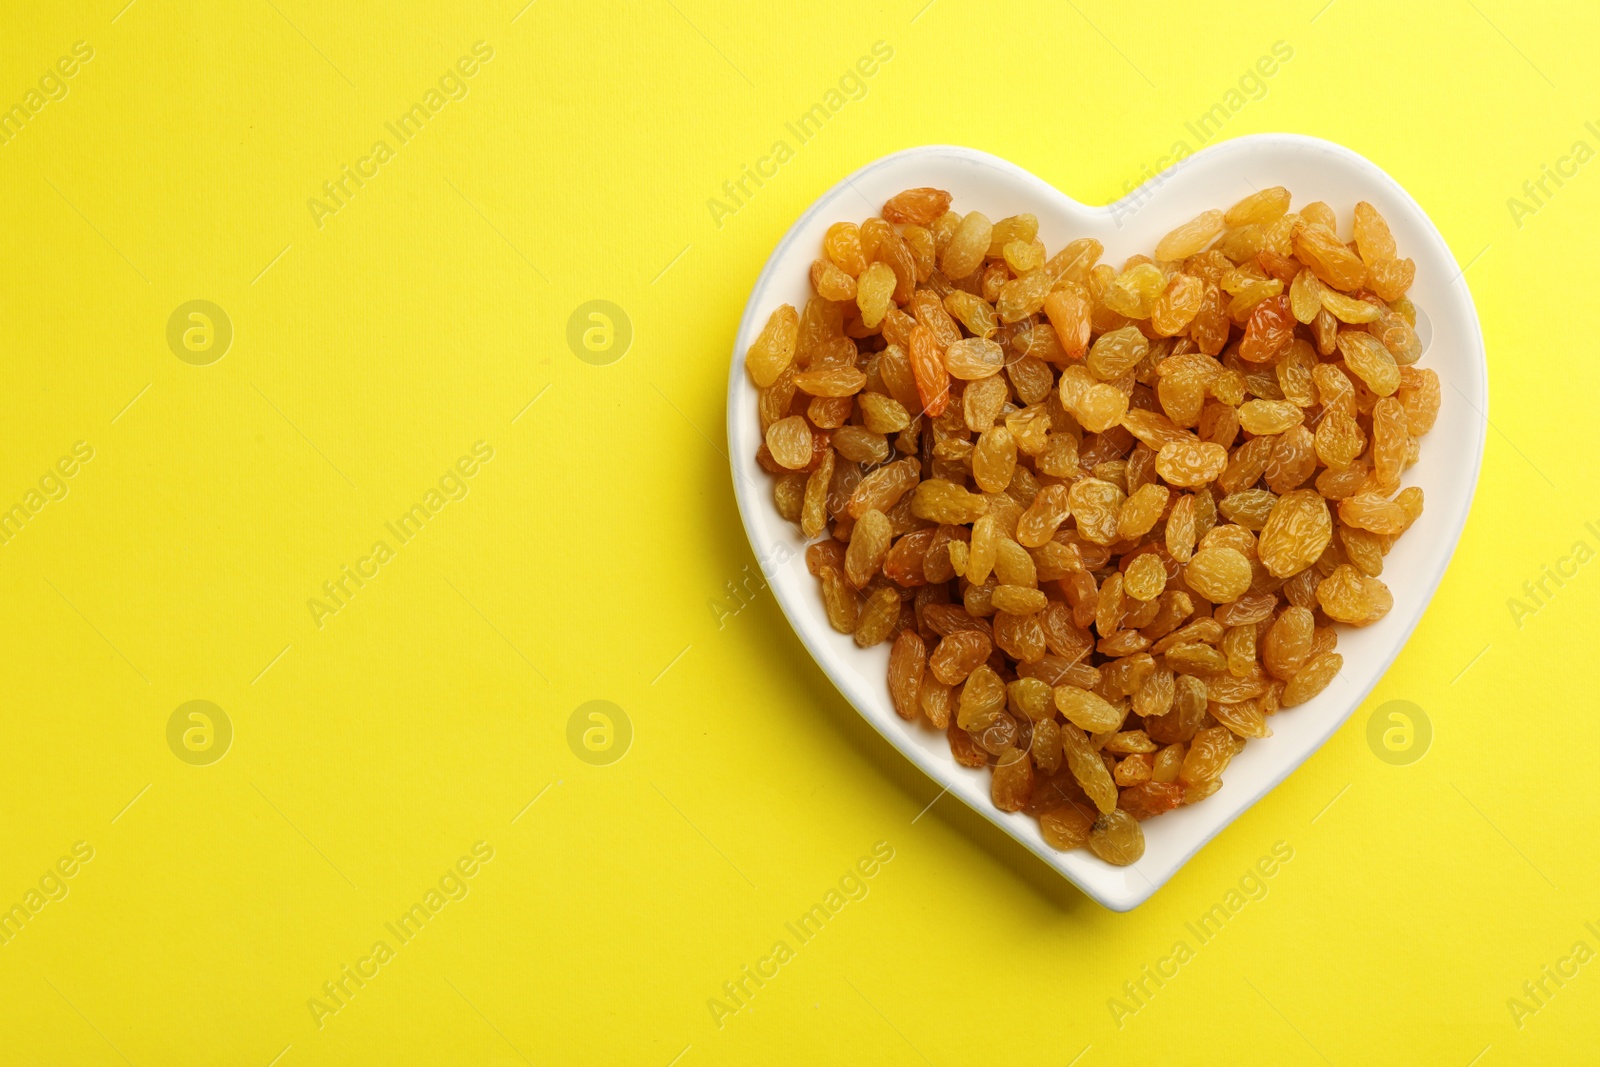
x=1243, y=718
x=1096, y=505
x=1269, y=416
x=1116, y=352
x=1370, y=361
x=790, y=442
x=1023, y=296
x=883, y=488
x=1370, y=511
x=908, y=660
x=919, y=206
x=934, y=700
x=830, y=381
x=1140, y=512
x=1018, y=600
x=773, y=349
x=1031, y=537
x=957, y=655
x=1189, y=465
x=1268, y=331
x=1152, y=797
x=972, y=358
x=1390, y=436
x=1177, y=305
x=1117, y=838
x=1373, y=240
x=878, y=617
x=1066, y=827
x=1248, y=507
x=1088, y=711
x=1145, y=578
x=967, y=247
x=1012, y=784
x=874, y=292
x=1218, y=574
x=1305, y=297
x=964, y=748
x=1391, y=278
x=1088, y=768
x=860, y=445
x=1312, y=679
x=840, y=600
x=1295, y=534
x=1180, y=533
x=1038, y=524
x=1068, y=309
x=1208, y=756
x=788, y=495
x=1261, y=207
x=994, y=459
x=869, y=544
x=1348, y=596
x=1327, y=257
x=842, y=245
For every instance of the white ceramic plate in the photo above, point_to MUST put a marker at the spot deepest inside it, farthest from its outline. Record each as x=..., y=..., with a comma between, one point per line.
x=1216, y=177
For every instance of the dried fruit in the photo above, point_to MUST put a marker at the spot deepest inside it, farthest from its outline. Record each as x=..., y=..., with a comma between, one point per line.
x=1117, y=838
x=842, y=245
x=908, y=660
x=839, y=600
x=1351, y=597
x=967, y=247
x=1145, y=578
x=1263, y=206
x=1208, y=756
x=1295, y=534
x=1141, y=511
x=1190, y=464
x=773, y=349
x=1023, y=296
x=1178, y=305
x=1151, y=798
x=941, y=501
x=1269, y=416
x=1373, y=239
x=958, y=654
x=1218, y=574
x=874, y=291
x=830, y=380
x=1312, y=679
x=1086, y=710
x=973, y=357
x=1012, y=784
x=1370, y=361
x=1102, y=571
x=1066, y=827
x=1327, y=257
x=878, y=617
x=1268, y=331
x=1068, y=308
x=883, y=488
x=1088, y=768
x=869, y=544
x=789, y=441
x=919, y=206
x=1117, y=352
x=994, y=459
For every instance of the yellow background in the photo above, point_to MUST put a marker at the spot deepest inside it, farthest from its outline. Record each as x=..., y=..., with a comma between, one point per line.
x=589, y=560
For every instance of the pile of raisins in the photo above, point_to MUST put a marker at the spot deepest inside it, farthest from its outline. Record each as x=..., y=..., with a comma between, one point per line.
x=1108, y=518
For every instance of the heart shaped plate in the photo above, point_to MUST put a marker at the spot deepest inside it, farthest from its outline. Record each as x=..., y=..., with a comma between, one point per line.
x=1216, y=177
